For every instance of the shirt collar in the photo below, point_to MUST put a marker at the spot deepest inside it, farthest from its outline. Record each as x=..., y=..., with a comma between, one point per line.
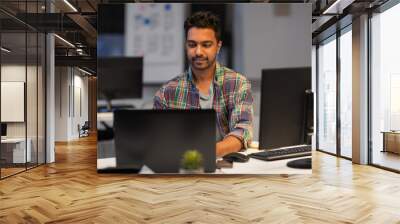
x=218, y=75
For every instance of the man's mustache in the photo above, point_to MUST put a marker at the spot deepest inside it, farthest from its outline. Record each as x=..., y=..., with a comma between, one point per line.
x=199, y=58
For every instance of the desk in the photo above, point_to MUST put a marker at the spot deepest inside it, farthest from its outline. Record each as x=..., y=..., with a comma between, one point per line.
x=16, y=147
x=106, y=158
x=253, y=166
x=256, y=166
x=107, y=117
x=391, y=141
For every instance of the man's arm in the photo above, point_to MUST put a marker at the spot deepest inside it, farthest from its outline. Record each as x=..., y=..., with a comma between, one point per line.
x=240, y=120
x=159, y=102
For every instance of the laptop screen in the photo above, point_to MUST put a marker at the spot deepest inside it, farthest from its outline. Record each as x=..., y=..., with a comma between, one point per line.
x=159, y=138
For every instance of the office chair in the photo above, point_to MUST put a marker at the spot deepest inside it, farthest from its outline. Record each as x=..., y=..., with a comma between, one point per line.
x=84, y=130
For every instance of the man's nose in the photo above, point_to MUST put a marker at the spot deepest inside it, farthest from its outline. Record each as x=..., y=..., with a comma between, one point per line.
x=198, y=51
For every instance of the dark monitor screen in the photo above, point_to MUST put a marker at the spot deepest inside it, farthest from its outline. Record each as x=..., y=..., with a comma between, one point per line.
x=108, y=14
x=286, y=115
x=120, y=77
x=159, y=138
x=3, y=129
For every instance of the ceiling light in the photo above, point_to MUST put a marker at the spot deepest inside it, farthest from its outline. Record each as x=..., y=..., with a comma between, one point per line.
x=79, y=51
x=84, y=71
x=337, y=7
x=5, y=50
x=70, y=5
x=329, y=9
x=65, y=41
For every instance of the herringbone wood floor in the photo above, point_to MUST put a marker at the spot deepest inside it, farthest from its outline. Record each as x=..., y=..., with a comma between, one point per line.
x=70, y=191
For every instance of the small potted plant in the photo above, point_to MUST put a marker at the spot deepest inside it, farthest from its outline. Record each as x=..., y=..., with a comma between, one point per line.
x=192, y=162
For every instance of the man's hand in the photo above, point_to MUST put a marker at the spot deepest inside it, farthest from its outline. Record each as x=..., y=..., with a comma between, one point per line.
x=228, y=145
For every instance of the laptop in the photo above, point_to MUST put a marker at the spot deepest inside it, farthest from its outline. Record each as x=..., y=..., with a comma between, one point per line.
x=159, y=138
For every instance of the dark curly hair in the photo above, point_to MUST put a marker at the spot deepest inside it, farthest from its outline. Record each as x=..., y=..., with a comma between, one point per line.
x=204, y=19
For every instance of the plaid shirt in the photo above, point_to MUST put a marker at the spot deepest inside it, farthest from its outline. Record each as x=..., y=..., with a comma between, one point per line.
x=233, y=101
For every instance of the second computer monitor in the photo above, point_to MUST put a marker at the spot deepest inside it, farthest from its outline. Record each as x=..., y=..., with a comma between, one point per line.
x=286, y=103
x=3, y=129
x=120, y=77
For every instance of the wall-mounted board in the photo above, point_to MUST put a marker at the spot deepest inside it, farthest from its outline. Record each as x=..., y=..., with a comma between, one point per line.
x=12, y=101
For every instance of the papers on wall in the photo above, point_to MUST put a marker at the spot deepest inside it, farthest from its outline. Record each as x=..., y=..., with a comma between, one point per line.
x=155, y=31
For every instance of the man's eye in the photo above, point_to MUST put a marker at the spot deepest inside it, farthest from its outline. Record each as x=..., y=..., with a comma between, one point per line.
x=207, y=45
x=191, y=45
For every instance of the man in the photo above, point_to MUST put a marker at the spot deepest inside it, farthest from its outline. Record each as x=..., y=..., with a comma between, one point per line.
x=207, y=84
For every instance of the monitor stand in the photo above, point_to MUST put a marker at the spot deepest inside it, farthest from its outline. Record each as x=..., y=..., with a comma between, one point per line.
x=300, y=163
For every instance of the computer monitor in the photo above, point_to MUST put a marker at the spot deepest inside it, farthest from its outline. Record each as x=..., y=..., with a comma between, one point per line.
x=120, y=78
x=286, y=117
x=159, y=138
x=3, y=129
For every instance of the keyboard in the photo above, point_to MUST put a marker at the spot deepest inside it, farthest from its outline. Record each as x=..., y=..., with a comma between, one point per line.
x=283, y=153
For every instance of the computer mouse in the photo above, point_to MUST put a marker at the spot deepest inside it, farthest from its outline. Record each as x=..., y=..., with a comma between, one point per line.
x=236, y=157
x=300, y=163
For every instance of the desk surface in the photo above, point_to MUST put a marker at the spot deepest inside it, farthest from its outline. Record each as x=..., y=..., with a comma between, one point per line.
x=13, y=140
x=391, y=132
x=256, y=166
x=253, y=166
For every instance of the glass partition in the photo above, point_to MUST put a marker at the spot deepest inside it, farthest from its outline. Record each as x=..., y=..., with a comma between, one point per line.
x=22, y=79
x=346, y=93
x=13, y=112
x=31, y=99
x=385, y=89
x=327, y=95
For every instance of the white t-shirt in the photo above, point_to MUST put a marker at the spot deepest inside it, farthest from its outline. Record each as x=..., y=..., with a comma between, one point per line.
x=206, y=102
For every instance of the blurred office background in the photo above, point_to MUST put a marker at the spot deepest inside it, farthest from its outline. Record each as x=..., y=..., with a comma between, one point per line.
x=255, y=36
x=51, y=47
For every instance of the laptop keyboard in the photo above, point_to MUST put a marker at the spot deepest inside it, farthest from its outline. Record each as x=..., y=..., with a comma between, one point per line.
x=283, y=153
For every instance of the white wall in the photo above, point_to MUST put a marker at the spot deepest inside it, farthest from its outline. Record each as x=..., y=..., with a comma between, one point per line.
x=81, y=104
x=13, y=73
x=71, y=87
x=61, y=103
x=82, y=83
x=271, y=36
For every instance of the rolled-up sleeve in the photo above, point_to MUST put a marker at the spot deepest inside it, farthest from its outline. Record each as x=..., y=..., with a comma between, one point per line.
x=159, y=102
x=241, y=117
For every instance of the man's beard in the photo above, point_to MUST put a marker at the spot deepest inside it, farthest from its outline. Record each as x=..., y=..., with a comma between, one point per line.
x=201, y=63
